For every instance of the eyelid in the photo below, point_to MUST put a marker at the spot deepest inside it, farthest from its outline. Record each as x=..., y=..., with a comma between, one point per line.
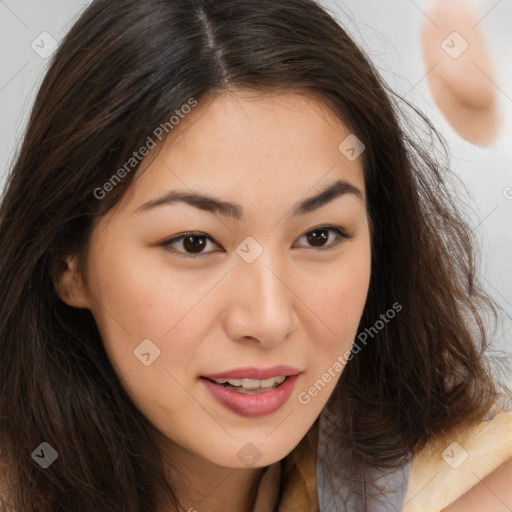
x=342, y=234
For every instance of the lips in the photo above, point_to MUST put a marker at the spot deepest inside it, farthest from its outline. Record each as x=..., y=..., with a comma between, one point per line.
x=256, y=405
x=251, y=372
x=252, y=403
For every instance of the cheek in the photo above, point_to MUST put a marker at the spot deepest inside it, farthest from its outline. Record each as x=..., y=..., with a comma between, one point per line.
x=139, y=293
x=139, y=297
x=126, y=305
x=339, y=301
x=150, y=312
x=338, y=305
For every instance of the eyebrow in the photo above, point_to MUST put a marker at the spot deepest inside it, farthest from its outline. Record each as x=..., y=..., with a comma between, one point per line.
x=229, y=209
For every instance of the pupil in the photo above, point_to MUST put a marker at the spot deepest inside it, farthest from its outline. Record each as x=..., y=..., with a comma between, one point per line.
x=314, y=239
x=190, y=246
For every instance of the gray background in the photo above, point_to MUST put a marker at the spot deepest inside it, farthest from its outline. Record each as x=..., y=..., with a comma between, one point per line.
x=389, y=32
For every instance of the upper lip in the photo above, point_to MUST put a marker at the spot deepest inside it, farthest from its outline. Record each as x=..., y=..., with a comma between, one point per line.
x=251, y=372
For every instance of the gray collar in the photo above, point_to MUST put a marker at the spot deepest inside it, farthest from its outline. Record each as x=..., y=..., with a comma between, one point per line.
x=385, y=493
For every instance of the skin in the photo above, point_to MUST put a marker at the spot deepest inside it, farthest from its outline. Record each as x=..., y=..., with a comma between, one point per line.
x=296, y=304
x=492, y=494
x=461, y=81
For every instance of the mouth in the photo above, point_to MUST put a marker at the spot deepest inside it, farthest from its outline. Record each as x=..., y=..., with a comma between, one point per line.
x=252, y=392
x=250, y=386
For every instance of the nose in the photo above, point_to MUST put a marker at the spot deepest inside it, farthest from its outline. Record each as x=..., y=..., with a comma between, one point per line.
x=261, y=305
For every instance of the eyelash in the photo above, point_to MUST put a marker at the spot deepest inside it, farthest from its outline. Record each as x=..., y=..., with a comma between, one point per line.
x=340, y=232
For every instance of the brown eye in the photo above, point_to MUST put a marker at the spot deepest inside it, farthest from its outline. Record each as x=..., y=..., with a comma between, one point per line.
x=189, y=244
x=318, y=237
x=194, y=244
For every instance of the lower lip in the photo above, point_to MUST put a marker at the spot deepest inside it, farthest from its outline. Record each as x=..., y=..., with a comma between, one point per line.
x=252, y=406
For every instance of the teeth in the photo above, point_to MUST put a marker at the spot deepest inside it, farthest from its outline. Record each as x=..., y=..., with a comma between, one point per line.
x=252, y=383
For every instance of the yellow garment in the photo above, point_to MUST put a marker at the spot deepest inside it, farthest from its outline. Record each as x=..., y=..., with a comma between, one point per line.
x=300, y=493
x=440, y=473
x=446, y=468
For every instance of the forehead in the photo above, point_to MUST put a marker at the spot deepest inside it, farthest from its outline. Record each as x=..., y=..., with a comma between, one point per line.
x=246, y=117
x=239, y=142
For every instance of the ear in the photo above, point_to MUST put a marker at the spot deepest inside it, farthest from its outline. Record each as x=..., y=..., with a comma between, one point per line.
x=68, y=282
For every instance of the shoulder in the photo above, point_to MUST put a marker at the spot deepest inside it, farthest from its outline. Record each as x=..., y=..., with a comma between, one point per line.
x=451, y=472
x=492, y=493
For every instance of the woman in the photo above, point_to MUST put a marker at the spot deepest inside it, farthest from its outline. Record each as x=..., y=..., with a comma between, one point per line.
x=232, y=280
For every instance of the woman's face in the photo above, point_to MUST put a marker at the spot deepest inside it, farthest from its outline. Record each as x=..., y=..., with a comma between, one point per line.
x=260, y=284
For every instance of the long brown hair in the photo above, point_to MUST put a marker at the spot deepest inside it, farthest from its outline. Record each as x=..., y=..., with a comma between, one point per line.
x=122, y=70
